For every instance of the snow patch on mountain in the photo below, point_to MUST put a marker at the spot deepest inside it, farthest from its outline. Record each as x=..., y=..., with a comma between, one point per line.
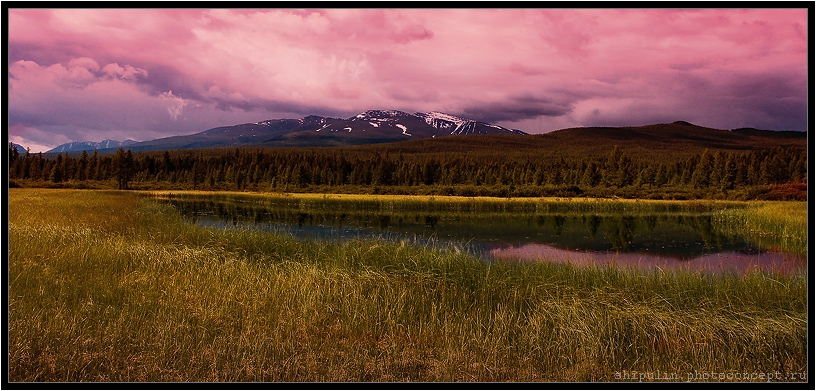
x=441, y=120
x=380, y=114
x=404, y=129
x=455, y=125
x=451, y=124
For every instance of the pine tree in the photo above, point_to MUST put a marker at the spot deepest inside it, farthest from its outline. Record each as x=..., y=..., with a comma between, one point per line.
x=196, y=174
x=27, y=161
x=81, y=172
x=611, y=176
x=123, y=167
x=662, y=175
x=717, y=169
x=14, y=154
x=591, y=175
x=56, y=174
x=729, y=174
x=701, y=176
x=645, y=176
x=36, y=167
x=626, y=174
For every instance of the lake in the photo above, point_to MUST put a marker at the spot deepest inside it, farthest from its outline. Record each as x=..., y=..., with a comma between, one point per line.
x=666, y=240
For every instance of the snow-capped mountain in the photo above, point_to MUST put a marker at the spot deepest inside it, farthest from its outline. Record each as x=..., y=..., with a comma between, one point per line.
x=459, y=125
x=443, y=124
x=79, y=146
x=372, y=126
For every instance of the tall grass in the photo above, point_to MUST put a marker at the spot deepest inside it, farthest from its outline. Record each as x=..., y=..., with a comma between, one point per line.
x=107, y=286
x=782, y=225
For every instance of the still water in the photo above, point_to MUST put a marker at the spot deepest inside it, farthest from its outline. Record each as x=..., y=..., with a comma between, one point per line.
x=664, y=240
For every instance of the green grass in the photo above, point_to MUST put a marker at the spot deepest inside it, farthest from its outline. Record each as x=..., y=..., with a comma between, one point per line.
x=110, y=286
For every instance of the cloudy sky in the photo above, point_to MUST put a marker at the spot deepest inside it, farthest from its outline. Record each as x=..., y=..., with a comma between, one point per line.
x=89, y=75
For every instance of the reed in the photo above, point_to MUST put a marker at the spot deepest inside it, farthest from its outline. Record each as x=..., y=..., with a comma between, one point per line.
x=780, y=224
x=109, y=286
x=454, y=204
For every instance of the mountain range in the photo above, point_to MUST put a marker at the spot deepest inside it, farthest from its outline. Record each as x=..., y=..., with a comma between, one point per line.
x=79, y=146
x=425, y=129
x=370, y=127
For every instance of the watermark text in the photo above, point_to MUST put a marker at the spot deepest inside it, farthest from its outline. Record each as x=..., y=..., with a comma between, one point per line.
x=703, y=376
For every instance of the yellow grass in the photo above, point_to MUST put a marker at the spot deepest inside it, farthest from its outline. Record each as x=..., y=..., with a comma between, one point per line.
x=108, y=286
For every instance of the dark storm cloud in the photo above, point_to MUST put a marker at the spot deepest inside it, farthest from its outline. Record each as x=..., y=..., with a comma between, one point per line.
x=723, y=100
x=518, y=108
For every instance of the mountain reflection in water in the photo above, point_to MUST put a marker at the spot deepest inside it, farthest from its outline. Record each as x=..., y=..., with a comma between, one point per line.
x=738, y=262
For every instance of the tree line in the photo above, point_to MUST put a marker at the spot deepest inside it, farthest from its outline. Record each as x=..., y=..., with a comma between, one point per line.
x=459, y=173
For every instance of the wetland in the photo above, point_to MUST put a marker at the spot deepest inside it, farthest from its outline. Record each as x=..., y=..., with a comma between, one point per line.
x=668, y=238
x=121, y=286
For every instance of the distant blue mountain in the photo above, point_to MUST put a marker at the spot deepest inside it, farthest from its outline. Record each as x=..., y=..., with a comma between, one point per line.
x=21, y=149
x=89, y=146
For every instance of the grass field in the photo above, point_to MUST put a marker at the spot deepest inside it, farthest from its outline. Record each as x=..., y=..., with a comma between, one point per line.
x=111, y=286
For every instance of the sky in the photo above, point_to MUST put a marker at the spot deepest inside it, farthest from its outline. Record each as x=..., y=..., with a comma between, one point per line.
x=142, y=74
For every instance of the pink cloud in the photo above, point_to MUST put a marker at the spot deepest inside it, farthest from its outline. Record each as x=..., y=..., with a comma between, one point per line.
x=53, y=104
x=535, y=67
x=127, y=72
x=84, y=62
x=174, y=104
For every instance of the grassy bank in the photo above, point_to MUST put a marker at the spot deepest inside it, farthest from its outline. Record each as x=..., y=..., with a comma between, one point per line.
x=455, y=204
x=108, y=286
x=782, y=225
x=786, y=191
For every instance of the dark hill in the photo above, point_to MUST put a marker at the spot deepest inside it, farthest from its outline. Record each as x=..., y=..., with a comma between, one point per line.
x=677, y=139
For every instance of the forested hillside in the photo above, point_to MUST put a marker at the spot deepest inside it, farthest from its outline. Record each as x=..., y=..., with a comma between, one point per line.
x=767, y=173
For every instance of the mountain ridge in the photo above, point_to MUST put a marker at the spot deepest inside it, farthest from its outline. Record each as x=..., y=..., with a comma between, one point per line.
x=369, y=127
x=377, y=127
x=647, y=141
x=79, y=146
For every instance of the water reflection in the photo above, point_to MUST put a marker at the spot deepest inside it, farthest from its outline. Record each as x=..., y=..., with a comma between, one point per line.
x=738, y=262
x=670, y=241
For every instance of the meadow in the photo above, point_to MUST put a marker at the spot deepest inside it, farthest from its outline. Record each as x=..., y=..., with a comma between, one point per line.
x=115, y=286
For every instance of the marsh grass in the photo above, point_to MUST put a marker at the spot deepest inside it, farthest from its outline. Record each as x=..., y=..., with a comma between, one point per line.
x=108, y=286
x=782, y=225
x=453, y=204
